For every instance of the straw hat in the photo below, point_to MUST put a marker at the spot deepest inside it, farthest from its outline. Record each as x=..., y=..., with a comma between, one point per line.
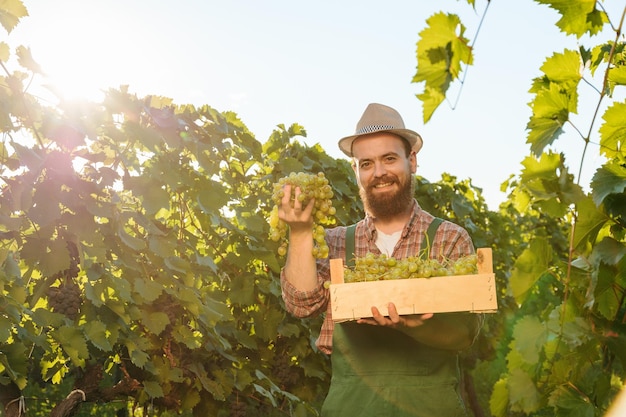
x=380, y=118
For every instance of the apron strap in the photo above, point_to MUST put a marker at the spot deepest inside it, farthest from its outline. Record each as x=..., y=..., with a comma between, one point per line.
x=429, y=237
x=350, y=245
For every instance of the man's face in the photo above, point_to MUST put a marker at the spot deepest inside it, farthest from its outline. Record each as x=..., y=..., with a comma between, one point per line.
x=384, y=173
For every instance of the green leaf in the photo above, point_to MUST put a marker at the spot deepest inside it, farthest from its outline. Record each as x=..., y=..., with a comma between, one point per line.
x=73, y=343
x=153, y=389
x=11, y=11
x=607, y=299
x=137, y=355
x=617, y=75
x=574, y=330
x=499, y=398
x=183, y=334
x=551, y=109
x=608, y=179
x=578, y=17
x=96, y=332
x=563, y=67
x=155, y=322
x=208, y=384
x=523, y=394
x=161, y=246
x=589, y=221
x=442, y=43
x=266, y=321
x=265, y=393
x=15, y=359
x=178, y=264
x=567, y=398
x=242, y=290
x=441, y=51
x=147, y=288
x=154, y=198
x=6, y=326
x=529, y=266
x=212, y=197
x=431, y=99
x=530, y=335
x=131, y=241
x=46, y=318
x=613, y=130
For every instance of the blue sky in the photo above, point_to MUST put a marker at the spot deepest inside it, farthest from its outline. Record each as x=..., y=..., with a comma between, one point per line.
x=317, y=64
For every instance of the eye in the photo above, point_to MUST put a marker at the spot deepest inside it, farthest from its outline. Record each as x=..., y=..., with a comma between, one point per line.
x=365, y=164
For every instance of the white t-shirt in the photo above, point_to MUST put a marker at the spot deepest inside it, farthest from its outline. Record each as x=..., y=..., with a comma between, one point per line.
x=386, y=243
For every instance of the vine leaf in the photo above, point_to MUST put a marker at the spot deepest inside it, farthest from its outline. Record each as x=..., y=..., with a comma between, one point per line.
x=499, y=398
x=529, y=267
x=550, y=112
x=155, y=322
x=523, y=394
x=530, y=335
x=606, y=298
x=589, y=222
x=441, y=51
x=11, y=11
x=609, y=179
x=613, y=131
x=73, y=343
x=153, y=389
x=578, y=16
x=96, y=333
x=566, y=398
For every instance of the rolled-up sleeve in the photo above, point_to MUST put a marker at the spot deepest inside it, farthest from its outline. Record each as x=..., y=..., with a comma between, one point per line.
x=303, y=303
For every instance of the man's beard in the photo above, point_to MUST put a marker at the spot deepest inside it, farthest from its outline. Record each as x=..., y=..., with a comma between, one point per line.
x=388, y=205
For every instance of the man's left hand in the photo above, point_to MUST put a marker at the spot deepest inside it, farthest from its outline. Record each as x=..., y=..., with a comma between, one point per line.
x=394, y=319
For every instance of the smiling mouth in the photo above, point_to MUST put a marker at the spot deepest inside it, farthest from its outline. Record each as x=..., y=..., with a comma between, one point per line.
x=383, y=185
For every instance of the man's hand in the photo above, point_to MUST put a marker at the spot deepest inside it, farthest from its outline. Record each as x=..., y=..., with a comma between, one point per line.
x=297, y=217
x=394, y=319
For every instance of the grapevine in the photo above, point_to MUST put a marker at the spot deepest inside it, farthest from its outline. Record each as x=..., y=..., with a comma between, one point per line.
x=312, y=186
x=374, y=267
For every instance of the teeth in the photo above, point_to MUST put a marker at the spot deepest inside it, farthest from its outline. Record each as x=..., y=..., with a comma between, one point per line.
x=383, y=185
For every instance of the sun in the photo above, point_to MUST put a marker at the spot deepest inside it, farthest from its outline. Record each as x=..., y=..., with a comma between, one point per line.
x=80, y=53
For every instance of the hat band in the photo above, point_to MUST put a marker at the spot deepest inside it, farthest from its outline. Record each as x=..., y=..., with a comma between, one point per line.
x=373, y=128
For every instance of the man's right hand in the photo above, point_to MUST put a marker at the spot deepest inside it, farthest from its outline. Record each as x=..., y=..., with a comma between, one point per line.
x=291, y=211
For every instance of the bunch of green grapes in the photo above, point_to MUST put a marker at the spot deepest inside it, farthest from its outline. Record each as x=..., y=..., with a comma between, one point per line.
x=373, y=267
x=312, y=186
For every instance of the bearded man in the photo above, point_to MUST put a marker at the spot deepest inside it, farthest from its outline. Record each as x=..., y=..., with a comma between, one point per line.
x=386, y=365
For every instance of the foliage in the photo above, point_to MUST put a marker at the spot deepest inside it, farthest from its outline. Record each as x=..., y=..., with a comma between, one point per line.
x=135, y=263
x=564, y=354
x=136, y=269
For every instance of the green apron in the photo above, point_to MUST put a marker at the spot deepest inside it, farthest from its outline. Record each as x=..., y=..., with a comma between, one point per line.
x=381, y=372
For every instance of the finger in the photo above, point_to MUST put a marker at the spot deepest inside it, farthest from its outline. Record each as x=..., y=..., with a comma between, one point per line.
x=285, y=201
x=427, y=316
x=393, y=313
x=378, y=317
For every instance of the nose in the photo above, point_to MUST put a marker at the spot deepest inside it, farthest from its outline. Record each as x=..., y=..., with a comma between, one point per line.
x=379, y=169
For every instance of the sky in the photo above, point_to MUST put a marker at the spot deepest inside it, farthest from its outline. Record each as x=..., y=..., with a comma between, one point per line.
x=317, y=64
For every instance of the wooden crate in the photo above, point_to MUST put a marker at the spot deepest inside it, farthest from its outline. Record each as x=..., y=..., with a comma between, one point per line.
x=460, y=293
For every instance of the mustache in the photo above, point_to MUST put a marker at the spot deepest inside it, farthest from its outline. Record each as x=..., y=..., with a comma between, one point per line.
x=383, y=180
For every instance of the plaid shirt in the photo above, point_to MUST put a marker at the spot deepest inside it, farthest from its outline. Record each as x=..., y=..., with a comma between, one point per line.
x=451, y=241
